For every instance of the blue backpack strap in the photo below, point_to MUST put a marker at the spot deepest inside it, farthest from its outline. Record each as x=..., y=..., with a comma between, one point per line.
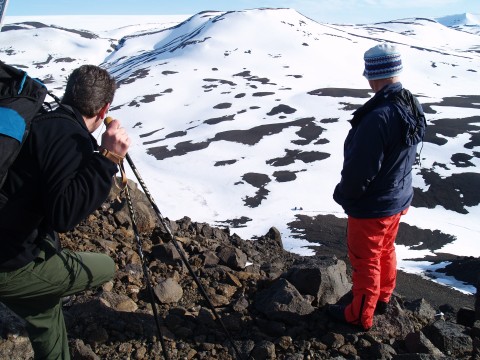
x=12, y=124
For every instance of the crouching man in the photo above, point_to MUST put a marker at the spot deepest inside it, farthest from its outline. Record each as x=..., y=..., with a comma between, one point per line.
x=58, y=179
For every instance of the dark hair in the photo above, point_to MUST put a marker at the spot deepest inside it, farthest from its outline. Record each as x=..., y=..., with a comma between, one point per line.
x=89, y=88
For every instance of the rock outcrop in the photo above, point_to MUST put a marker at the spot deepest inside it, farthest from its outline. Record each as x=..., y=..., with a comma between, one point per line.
x=271, y=302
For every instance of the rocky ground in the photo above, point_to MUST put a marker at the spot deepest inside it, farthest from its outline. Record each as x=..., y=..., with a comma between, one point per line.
x=331, y=232
x=263, y=302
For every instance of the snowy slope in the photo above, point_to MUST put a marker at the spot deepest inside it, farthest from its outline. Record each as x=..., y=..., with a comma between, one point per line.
x=238, y=118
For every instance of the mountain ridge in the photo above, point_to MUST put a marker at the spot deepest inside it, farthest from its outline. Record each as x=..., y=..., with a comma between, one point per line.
x=459, y=19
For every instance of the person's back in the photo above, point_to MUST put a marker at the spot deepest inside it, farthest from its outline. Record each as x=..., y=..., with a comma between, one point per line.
x=57, y=180
x=380, y=130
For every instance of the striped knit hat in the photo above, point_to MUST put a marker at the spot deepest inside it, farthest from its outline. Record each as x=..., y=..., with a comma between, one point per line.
x=382, y=61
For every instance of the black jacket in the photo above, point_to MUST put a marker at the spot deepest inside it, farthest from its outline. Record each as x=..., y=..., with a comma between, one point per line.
x=379, y=153
x=57, y=180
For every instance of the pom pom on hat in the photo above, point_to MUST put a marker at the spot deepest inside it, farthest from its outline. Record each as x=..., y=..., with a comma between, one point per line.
x=382, y=61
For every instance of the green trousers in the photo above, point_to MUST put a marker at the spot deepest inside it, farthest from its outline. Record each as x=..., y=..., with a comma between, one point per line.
x=34, y=292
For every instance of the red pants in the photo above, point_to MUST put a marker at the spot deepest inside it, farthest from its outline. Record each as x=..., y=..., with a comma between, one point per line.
x=371, y=249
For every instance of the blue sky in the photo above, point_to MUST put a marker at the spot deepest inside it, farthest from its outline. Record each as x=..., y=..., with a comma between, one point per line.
x=340, y=11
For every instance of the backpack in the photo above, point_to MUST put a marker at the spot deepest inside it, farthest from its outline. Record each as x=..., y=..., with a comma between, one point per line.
x=21, y=99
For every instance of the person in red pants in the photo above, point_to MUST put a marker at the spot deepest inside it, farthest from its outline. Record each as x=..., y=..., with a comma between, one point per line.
x=375, y=189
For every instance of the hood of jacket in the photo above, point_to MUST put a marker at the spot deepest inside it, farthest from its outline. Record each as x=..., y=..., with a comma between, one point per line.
x=408, y=107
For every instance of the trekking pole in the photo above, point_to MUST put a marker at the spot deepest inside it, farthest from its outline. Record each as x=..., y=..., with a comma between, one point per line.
x=145, y=271
x=179, y=249
x=142, y=258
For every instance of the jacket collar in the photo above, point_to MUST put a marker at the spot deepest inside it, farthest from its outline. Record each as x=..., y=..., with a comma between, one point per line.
x=377, y=99
x=74, y=113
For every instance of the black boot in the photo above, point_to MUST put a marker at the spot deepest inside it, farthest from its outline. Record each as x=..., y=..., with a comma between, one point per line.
x=381, y=307
x=337, y=312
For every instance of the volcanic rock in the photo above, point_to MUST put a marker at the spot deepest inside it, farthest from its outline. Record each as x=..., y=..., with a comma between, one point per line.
x=250, y=299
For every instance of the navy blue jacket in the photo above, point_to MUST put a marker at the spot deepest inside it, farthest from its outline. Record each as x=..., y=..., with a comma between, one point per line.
x=56, y=181
x=379, y=153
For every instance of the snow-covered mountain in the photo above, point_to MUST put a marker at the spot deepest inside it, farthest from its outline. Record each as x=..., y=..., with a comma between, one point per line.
x=238, y=118
x=464, y=22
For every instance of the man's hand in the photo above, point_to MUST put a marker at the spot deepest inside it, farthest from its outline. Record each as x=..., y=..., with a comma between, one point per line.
x=115, y=138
